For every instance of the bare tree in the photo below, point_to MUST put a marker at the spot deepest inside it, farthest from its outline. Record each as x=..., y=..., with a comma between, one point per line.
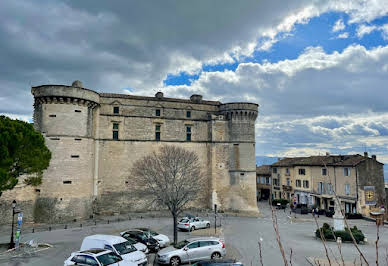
x=171, y=176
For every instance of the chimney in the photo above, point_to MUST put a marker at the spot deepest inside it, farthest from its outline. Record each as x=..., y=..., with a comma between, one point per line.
x=365, y=154
x=159, y=95
x=196, y=98
x=374, y=157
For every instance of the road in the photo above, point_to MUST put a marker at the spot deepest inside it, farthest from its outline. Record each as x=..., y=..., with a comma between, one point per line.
x=241, y=236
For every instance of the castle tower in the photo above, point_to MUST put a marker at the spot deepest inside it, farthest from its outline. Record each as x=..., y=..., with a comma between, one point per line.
x=235, y=162
x=66, y=116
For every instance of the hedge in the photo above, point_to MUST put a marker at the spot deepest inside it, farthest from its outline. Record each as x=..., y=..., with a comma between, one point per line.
x=330, y=234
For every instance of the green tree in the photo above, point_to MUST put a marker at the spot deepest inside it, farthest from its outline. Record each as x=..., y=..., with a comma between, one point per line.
x=22, y=151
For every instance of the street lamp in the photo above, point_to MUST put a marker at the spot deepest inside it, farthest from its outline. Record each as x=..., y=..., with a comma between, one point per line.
x=12, y=243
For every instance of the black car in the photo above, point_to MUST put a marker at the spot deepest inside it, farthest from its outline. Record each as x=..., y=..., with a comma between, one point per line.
x=221, y=262
x=143, y=237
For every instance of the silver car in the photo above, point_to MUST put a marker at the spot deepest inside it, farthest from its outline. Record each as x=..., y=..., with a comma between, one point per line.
x=191, y=224
x=192, y=250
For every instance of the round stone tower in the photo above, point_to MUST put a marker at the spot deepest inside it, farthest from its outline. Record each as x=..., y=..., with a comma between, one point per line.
x=65, y=115
x=241, y=119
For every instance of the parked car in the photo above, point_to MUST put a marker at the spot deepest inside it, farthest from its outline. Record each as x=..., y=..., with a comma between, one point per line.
x=220, y=262
x=163, y=240
x=191, y=224
x=144, y=238
x=116, y=244
x=192, y=250
x=138, y=245
x=301, y=208
x=97, y=257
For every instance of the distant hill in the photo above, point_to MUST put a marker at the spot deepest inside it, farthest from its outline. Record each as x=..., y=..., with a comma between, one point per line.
x=261, y=160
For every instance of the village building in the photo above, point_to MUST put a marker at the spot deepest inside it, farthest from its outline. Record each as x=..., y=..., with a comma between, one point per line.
x=263, y=182
x=357, y=180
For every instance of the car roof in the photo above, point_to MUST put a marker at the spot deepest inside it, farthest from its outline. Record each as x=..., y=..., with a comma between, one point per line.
x=94, y=251
x=108, y=238
x=210, y=238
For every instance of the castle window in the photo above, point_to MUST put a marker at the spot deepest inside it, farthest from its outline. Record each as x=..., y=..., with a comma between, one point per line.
x=188, y=114
x=324, y=171
x=116, y=109
x=67, y=182
x=346, y=171
x=55, y=138
x=77, y=139
x=52, y=115
x=77, y=111
x=157, y=112
x=115, y=131
x=305, y=183
x=302, y=171
x=74, y=156
x=157, y=132
x=298, y=183
x=188, y=133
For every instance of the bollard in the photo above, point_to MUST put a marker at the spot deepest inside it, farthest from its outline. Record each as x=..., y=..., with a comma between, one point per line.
x=49, y=228
x=33, y=230
x=95, y=222
x=65, y=226
x=108, y=221
x=80, y=225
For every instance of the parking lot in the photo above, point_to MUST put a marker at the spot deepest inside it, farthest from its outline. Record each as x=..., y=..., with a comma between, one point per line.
x=241, y=236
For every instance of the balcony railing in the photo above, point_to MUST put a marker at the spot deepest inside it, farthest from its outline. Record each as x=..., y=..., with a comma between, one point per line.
x=287, y=188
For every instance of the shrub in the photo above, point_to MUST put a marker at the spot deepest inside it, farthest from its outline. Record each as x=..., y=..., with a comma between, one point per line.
x=330, y=234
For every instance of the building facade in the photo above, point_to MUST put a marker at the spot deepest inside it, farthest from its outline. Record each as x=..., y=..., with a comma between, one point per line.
x=263, y=182
x=315, y=180
x=96, y=137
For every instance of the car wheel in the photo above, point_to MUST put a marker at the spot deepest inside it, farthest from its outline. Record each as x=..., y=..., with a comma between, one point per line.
x=175, y=261
x=192, y=228
x=216, y=256
x=207, y=225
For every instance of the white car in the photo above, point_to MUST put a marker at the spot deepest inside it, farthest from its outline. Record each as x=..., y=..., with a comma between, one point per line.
x=97, y=257
x=117, y=244
x=191, y=224
x=192, y=250
x=163, y=240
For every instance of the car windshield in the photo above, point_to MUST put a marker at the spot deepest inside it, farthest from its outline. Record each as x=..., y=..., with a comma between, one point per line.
x=130, y=240
x=109, y=258
x=181, y=244
x=124, y=248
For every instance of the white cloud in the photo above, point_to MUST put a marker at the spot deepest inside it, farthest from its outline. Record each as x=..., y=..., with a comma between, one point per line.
x=365, y=29
x=338, y=26
x=344, y=35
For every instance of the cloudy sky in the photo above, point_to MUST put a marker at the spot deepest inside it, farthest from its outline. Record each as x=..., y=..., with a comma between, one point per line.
x=318, y=69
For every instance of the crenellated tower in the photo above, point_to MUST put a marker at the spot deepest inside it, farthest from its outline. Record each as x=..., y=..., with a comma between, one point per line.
x=66, y=116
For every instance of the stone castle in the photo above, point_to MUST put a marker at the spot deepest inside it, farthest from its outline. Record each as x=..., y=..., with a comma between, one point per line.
x=96, y=137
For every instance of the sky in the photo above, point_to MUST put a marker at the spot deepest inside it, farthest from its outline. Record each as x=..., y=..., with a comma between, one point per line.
x=318, y=69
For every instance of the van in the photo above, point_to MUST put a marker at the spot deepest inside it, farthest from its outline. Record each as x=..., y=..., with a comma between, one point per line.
x=117, y=244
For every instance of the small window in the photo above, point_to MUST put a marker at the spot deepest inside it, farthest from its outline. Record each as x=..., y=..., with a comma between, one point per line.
x=115, y=132
x=77, y=139
x=347, y=189
x=242, y=174
x=116, y=109
x=37, y=190
x=298, y=183
x=346, y=171
x=74, y=156
x=302, y=171
x=157, y=112
x=288, y=182
x=305, y=183
x=77, y=111
x=188, y=114
x=324, y=171
x=287, y=171
x=67, y=182
x=52, y=115
x=188, y=133
x=157, y=132
x=55, y=138
x=193, y=245
x=274, y=170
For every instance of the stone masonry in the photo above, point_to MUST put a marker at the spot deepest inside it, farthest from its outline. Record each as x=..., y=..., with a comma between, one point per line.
x=96, y=137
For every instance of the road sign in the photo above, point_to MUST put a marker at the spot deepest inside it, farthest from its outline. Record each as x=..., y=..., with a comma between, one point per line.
x=18, y=229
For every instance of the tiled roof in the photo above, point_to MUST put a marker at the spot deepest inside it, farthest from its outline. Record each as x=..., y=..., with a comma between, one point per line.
x=329, y=160
x=263, y=170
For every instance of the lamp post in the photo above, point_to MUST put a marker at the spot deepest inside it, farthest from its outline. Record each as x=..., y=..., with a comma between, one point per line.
x=12, y=243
